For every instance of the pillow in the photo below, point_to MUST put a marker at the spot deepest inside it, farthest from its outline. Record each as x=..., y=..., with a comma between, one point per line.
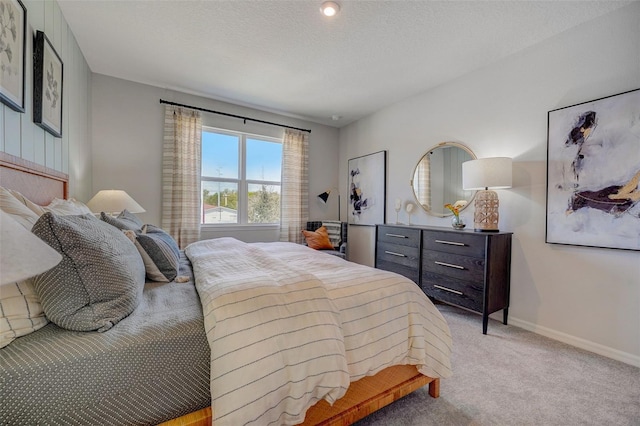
x=100, y=278
x=334, y=230
x=16, y=209
x=20, y=311
x=37, y=209
x=124, y=221
x=318, y=240
x=66, y=207
x=159, y=252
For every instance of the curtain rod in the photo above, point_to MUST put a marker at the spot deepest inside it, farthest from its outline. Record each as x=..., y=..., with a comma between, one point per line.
x=162, y=101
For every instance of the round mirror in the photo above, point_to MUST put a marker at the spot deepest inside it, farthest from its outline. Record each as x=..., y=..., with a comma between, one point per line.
x=437, y=178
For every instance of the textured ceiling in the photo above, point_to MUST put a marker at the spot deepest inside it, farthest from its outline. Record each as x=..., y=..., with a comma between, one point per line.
x=285, y=57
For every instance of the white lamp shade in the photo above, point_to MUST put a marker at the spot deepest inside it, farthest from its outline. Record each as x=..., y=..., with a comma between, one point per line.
x=22, y=254
x=113, y=201
x=487, y=173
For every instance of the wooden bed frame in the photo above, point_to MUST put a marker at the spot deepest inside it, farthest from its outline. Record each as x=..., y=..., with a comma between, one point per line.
x=41, y=184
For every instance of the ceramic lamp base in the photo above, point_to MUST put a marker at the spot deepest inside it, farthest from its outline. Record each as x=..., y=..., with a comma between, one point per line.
x=485, y=217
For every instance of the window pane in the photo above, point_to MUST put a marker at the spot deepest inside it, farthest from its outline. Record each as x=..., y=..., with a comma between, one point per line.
x=220, y=155
x=264, y=160
x=264, y=203
x=225, y=211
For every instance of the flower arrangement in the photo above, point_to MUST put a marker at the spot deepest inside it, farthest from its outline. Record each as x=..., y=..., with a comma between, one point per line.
x=456, y=207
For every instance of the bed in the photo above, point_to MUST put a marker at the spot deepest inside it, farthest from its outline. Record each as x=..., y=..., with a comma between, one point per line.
x=188, y=398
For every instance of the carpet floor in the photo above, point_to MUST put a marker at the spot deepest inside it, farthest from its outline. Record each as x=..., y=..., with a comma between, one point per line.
x=515, y=377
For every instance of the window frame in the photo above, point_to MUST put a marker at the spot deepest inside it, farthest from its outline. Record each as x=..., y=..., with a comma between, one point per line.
x=242, y=181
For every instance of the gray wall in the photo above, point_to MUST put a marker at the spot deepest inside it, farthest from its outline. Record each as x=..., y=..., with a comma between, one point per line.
x=127, y=148
x=588, y=297
x=19, y=136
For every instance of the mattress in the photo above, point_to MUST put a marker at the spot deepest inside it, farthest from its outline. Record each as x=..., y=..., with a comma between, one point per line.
x=151, y=367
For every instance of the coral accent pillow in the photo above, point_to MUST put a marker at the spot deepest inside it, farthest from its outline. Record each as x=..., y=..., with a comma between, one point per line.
x=319, y=239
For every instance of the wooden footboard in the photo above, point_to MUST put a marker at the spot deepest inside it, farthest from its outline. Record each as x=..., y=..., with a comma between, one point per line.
x=363, y=397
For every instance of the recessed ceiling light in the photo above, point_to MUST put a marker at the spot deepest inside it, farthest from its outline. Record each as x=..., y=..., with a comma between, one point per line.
x=329, y=8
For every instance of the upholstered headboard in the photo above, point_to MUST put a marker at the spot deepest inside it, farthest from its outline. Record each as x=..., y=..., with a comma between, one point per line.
x=38, y=183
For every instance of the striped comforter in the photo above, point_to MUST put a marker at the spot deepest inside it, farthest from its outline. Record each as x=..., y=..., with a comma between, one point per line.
x=288, y=326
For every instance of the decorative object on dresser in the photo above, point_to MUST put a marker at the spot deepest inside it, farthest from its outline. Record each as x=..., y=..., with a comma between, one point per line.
x=112, y=201
x=484, y=174
x=13, y=54
x=48, y=73
x=367, y=189
x=437, y=178
x=462, y=268
x=398, y=207
x=409, y=207
x=593, y=172
x=456, y=220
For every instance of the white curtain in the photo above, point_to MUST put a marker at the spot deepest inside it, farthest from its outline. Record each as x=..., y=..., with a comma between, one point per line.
x=295, y=185
x=181, y=153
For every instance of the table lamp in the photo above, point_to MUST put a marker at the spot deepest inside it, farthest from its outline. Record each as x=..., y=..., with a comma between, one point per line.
x=113, y=201
x=485, y=174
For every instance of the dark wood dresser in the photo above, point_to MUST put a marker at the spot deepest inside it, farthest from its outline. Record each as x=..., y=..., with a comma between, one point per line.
x=463, y=268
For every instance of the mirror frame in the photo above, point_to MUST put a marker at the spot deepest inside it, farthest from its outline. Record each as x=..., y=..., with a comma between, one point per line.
x=440, y=145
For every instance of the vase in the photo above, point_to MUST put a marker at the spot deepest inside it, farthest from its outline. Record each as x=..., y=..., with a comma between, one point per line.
x=457, y=222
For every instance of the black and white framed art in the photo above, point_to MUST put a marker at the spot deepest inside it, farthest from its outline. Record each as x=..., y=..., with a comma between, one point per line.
x=47, y=85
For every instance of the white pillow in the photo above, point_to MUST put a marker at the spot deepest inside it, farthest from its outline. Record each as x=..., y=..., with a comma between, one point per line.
x=20, y=311
x=37, y=209
x=16, y=209
x=67, y=207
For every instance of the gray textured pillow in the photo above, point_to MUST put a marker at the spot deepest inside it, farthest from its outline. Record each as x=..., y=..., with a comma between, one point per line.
x=159, y=252
x=124, y=221
x=100, y=278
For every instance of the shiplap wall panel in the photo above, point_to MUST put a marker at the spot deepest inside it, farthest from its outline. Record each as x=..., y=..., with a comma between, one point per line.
x=21, y=137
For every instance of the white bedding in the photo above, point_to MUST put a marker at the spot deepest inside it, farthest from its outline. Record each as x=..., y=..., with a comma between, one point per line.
x=342, y=321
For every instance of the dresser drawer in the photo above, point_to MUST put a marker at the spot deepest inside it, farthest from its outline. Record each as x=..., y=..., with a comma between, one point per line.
x=454, y=242
x=406, y=271
x=395, y=253
x=453, y=265
x=399, y=235
x=450, y=290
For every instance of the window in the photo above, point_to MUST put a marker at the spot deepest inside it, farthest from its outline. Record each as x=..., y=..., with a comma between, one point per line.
x=241, y=178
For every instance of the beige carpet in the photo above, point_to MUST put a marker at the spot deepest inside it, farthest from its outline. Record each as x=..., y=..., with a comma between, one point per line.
x=515, y=377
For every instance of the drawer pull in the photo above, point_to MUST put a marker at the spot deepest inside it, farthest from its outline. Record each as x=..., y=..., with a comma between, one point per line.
x=396, y=235
x=451, y=243
x=450, y=265
x=393, y=253
x=459, y=293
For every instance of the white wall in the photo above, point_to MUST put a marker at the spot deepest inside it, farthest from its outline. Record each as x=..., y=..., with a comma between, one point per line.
x=127, y=147
x=588, y=297
x=19, y=136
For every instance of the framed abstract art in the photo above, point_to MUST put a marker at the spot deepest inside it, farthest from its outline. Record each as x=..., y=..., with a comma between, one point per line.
x=13, y=22
x=47, y=85
x=367, y=189
x=593, y=173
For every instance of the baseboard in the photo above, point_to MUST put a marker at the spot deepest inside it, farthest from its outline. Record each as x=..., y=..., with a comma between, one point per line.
x=625, y=357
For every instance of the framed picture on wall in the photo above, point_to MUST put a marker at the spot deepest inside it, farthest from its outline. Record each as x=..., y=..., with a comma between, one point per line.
x=13, y=21
x=593, y=173
x=47, y=85
x=367, y=189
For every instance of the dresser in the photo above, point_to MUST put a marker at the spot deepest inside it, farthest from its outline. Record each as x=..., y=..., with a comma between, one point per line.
x=463, y=268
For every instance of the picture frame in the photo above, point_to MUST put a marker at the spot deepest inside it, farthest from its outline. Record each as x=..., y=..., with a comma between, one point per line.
x=13, y=20
x=593, y=173
x=48, y=73
x=367, y=189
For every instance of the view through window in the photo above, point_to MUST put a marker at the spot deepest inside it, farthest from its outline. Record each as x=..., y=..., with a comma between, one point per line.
x=241, y=178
